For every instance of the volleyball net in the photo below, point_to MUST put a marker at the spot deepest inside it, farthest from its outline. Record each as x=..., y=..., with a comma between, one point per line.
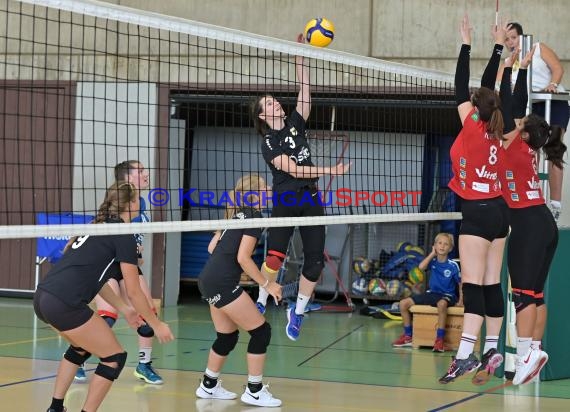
x=86, y=85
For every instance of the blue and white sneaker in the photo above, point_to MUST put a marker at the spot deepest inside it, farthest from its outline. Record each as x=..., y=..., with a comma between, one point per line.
x=146, y=372
x=260, y=307
x=80, y=375
x=294, y=322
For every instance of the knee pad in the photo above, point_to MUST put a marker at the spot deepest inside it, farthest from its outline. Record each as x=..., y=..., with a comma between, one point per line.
x=260, y=338
x=145, y=331
x=539, y=298
x=72, y=355
x=473, y=299
x=108, y=372
x=108, y=317
x=494, y=301
x=522, y=299
x=225, y=343
x=313, y=266
x=273, y=261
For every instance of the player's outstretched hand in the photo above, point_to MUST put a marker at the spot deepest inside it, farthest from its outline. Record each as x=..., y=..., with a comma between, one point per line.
x=465, y=30
x=163, y=333
x=340, y=169
x=132, y=317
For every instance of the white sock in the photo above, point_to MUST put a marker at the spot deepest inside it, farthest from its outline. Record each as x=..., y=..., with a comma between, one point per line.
x=254, y=379
x=523, y=345
x=144, y=355
x=262, y=297
x=536, y=344
x=302, y=302
x=490, y=343
x=212, y=374
x=466, y=346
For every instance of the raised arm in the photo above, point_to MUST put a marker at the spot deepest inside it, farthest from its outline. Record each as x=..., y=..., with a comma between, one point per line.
x=489, y=77
x=304, y=98
x=462, y=95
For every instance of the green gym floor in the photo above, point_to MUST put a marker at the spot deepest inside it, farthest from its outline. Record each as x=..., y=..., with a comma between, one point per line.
x=342, y=362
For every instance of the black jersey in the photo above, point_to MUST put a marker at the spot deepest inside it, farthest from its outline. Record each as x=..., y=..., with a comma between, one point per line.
x=83, y=270
x=290, y=141
x=222, y=264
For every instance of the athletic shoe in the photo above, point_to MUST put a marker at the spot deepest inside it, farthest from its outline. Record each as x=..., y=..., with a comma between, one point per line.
x=80, y=375
x=529, y=366
x=438, y=345
x=217, y=392
x=260, y=307
x=312, y=307
x=146, y=372
x=460, y=367
x=261, y=398
x=489, y=362
x=294, y=322
x=402, y=341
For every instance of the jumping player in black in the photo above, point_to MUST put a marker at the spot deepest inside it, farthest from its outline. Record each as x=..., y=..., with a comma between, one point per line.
x=231, y=307
x=62, y=299
x=286, y=151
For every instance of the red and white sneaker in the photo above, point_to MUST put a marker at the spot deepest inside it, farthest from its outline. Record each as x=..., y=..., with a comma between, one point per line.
x=529, y=366
x=438, y=345
x=402, y=341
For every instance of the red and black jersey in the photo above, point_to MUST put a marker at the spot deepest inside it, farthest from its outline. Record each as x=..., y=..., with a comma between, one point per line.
x=474, y=161
x=85, y=268
x=292, y=142
x=518, y=174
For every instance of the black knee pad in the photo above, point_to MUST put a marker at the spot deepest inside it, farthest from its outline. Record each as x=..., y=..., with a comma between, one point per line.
x=225, y=343
x=109, y=317
x=522, y=299
x=494, y=301
x=72, y=355
x=473, y=299
x=260, y=338
x=313, y=266
x=145, y=331
x=108, y=372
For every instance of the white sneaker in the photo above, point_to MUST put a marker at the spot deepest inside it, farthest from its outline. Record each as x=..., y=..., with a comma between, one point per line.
x=217, y=392
x=261, y=398
x=529, y=366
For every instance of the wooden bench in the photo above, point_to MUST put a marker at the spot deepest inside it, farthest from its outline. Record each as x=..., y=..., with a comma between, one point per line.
x=425, y=326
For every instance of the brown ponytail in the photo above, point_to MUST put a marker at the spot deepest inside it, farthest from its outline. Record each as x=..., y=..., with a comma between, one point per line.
x=549, y=138
x=488, y=104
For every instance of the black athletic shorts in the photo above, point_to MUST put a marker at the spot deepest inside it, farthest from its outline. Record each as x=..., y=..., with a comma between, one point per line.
x=118, y=276
x=431, y=298
x=58, y=314
x=531, y=248
x=486, y=218
x=219, y=294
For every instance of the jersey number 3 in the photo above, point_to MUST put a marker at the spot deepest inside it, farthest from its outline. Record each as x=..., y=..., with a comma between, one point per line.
x=79, y=241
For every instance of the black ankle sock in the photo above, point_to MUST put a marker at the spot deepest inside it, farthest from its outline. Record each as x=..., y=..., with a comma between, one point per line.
x=254, y=387
x=56, y=405
x=209, y=382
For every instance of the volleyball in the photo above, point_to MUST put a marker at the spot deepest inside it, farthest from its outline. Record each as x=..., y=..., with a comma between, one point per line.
x=319, y=32
x=376, y=287
x=360, y=286
x=416, y=275
x=361, y=265
x=393, y=288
